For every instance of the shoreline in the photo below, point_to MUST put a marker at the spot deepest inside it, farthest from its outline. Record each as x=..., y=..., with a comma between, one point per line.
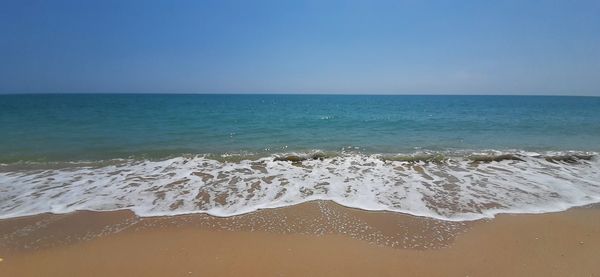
x=314, y=238
x=466, y=189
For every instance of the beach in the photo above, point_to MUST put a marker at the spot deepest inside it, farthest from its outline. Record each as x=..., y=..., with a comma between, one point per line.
x=299, y=138
x=289, y=242
x=291, y=185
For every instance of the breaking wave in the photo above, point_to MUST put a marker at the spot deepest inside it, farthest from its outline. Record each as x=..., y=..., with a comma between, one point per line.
x=450, y=186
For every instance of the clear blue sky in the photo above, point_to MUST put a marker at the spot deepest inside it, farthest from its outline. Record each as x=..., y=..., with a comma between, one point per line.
x=439, y=47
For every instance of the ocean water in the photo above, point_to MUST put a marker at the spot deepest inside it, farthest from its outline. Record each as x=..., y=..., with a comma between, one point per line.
x=447, y=157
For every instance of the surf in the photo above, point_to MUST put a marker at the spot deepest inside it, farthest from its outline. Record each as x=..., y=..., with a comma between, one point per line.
x=454, y=186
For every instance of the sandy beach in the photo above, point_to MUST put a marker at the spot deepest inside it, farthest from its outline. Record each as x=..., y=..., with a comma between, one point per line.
x=299, y=138
x=311, y=239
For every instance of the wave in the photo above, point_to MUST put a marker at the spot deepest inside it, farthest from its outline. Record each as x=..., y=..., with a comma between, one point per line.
x=456, y=186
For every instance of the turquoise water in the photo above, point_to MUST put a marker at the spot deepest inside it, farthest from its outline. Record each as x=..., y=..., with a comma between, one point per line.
x=446, y=157
x=89, y=127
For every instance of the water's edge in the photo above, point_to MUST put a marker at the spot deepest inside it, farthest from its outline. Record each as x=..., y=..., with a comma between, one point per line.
x=455, y=186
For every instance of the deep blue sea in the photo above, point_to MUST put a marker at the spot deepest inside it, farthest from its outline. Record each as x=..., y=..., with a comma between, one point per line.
x=104, y=126
x=446, y=157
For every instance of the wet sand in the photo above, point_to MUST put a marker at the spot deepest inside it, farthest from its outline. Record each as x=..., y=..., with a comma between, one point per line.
x=312, y=239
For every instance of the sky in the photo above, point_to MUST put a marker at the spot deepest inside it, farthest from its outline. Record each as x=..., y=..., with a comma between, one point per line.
x=348, y=47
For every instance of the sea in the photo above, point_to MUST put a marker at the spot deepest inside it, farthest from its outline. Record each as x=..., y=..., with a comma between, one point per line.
x=453, y=158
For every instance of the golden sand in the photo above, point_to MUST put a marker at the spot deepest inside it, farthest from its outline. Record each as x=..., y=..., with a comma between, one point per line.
x=312, y=239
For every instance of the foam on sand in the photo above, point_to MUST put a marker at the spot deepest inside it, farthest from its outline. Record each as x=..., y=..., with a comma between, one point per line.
x=451, y=187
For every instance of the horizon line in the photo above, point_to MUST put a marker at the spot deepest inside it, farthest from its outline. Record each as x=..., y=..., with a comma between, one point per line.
x=292, y=93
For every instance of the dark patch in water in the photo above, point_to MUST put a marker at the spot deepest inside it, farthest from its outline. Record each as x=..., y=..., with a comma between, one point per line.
x=568, y=158
x=297, y=159
x=289, y=158
x=495, y=158
x=175, y=205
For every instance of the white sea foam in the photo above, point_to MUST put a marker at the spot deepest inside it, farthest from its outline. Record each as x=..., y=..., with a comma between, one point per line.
x=449, y=188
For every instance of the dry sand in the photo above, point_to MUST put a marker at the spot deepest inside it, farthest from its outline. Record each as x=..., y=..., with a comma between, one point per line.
x=311, y=239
